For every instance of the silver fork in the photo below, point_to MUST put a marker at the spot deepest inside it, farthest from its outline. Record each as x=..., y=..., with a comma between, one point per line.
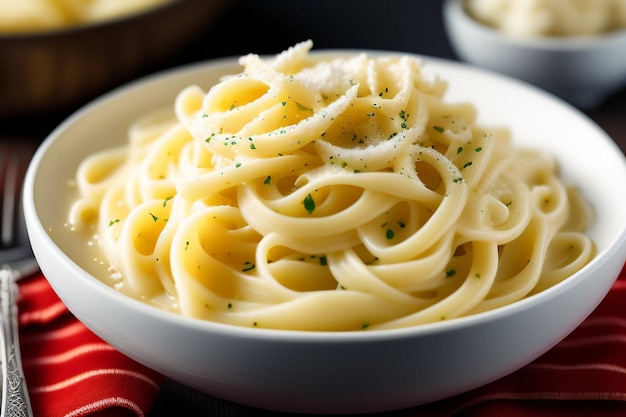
x=16, y=260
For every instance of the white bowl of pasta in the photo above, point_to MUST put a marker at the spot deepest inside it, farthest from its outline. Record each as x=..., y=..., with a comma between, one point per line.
x=55, y=55
x=332, y=231
x=570, y=50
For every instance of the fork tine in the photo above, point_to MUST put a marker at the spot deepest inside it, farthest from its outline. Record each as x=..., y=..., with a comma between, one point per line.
x=14, y=243
x=10, y=196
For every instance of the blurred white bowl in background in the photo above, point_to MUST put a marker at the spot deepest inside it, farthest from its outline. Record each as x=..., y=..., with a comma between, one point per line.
x=583, y=70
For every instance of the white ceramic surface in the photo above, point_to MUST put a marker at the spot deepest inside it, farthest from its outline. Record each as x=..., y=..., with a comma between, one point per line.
x=335, y=372
x=581, y=70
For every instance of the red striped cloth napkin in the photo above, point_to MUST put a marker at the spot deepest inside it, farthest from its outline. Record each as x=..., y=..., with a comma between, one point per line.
x=69, y=370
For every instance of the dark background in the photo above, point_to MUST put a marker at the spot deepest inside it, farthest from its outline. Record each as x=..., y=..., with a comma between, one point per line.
x=270, y=26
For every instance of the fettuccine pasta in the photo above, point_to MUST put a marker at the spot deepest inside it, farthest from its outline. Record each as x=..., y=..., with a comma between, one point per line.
x=334, y=194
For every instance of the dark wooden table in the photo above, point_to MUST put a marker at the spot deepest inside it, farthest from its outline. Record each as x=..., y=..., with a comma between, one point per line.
x=270, y=27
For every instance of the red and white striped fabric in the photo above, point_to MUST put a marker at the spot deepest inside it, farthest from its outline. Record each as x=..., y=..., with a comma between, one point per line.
x=71, y=372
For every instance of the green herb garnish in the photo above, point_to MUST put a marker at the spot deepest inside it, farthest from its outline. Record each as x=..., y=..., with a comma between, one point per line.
x=309, y=203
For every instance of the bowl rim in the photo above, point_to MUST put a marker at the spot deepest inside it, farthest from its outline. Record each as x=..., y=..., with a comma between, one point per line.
x=300, y=335
x=456, y=14
x=78, y=28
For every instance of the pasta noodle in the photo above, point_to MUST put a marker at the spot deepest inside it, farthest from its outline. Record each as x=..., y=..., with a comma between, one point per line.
x=331, y=194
